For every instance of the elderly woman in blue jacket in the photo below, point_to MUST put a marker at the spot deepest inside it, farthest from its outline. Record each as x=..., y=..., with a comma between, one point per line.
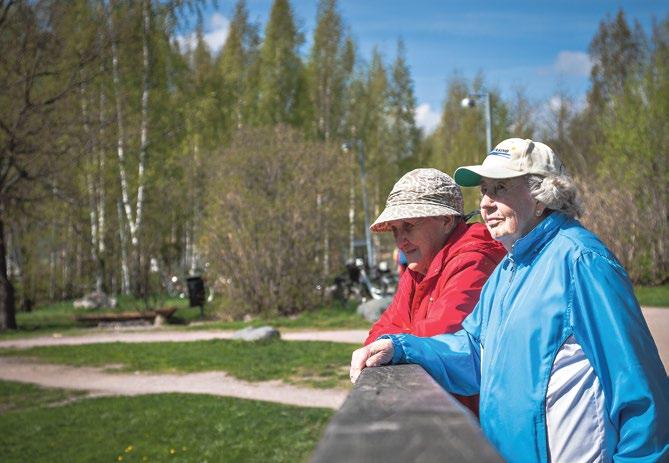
x=557, y=345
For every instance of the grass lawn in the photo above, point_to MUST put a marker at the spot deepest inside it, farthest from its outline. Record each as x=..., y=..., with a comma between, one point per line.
x=653, y=296
x=162, y=427
x=59, y=317
x=336, y=316
x=19, y=396
x=307, y=363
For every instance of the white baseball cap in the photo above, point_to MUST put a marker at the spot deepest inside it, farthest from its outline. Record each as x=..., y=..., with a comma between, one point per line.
x=514, y=157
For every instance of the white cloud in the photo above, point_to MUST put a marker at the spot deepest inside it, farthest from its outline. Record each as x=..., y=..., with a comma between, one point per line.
x=219, y=27
x=573, y=63
x=556, y=102
x=427, y=118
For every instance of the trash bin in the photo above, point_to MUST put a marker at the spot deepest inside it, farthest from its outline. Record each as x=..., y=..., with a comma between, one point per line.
x=196, y=292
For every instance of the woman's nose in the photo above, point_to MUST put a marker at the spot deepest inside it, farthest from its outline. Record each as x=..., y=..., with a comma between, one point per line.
x=399, y=238
x=486, y=201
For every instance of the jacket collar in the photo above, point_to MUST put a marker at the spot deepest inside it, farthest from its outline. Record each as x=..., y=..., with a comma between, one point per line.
x=525, y=248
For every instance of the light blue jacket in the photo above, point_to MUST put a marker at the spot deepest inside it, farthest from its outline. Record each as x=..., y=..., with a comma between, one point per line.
x=559, y=280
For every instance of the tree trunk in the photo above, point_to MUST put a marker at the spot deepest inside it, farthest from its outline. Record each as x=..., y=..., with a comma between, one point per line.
x=134, y=224
x=7, y=301
x=125, y=271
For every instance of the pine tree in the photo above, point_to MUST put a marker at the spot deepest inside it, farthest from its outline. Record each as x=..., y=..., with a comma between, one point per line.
x=238, y=69
x=404, y=134
x=329, y=68
x=280, y=68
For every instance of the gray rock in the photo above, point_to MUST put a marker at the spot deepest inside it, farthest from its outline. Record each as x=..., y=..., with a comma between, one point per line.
x=95, y=300
x=257, y=334
x=373, y=308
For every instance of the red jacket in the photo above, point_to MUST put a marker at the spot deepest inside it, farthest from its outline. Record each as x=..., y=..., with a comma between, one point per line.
x=438, y=302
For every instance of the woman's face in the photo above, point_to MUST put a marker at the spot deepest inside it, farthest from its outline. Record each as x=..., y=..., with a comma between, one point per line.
x=421, y=239
x=508, y=209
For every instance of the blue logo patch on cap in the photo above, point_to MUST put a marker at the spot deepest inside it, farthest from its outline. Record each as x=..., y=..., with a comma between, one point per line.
x=500, y=152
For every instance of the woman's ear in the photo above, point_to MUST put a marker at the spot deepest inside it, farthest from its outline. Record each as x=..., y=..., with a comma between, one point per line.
x=449, y=223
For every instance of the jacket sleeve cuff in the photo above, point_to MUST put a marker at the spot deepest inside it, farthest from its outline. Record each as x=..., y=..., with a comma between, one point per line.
x=398, y=349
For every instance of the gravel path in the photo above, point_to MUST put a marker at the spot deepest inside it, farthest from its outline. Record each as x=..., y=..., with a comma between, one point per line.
x=99, y=382
x=165, y=335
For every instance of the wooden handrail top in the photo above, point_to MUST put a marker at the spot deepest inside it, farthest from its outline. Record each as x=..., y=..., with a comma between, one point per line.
x=400, y=414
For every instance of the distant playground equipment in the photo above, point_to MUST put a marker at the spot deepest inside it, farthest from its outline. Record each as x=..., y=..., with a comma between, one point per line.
x=358, y=283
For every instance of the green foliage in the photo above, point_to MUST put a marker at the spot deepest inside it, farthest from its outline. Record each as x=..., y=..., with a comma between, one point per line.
x=329, y=66
x=404, y=135
x=653, y=296
x=627, y=197
x=280, y=67
x=160, y=428
x=314, y=363
x=460, y=138
x=238, y=67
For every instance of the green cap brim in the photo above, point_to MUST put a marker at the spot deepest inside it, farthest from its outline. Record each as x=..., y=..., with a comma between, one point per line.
x=466, y=177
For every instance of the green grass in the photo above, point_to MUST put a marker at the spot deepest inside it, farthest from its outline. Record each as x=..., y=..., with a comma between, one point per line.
x=19, y=396
x=336, y=316
x=162, y=427
x=309, y=363
x=59, y=317
x=653, y=296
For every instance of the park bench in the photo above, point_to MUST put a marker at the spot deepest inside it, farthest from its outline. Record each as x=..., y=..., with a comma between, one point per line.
x=400, y=414
x=121, y=317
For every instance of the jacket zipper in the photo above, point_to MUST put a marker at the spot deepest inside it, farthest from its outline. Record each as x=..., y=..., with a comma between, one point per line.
x=506, y=313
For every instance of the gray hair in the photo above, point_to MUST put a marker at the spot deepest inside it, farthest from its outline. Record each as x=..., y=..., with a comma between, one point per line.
x=556, y=192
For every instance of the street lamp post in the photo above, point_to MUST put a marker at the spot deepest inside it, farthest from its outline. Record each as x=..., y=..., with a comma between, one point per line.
x=371, y=261
x=470, y=102
x=359, y=147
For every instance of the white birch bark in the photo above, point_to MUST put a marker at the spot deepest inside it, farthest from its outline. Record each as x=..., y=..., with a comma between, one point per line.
x=125, y=269
x=102, y=192
x=120, y=152
x=133, y=223
x=93, y=186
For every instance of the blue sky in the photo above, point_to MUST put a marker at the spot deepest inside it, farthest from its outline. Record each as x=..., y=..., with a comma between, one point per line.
x=537, y=45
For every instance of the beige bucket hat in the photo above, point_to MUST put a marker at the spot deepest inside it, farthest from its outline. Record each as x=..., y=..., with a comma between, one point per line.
x=421, y=193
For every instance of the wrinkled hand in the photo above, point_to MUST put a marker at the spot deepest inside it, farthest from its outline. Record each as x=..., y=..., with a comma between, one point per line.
x=377, y=353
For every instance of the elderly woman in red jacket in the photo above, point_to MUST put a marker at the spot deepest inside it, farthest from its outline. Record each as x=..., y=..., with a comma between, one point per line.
x=449, y=260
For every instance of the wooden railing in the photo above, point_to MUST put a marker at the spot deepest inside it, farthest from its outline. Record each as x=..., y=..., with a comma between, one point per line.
x=400, y=414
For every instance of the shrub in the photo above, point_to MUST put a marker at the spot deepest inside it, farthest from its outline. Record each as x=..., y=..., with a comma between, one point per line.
x=276, y=213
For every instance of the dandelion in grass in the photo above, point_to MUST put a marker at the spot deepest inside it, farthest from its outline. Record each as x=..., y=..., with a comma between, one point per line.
x=128, y=449
x=173, y=451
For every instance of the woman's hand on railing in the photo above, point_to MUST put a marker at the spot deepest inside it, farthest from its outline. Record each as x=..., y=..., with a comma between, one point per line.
x=377, y=353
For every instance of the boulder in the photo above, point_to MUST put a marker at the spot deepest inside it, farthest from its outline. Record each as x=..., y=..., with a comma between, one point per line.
x=257, y=334
x=373, y=308
x=95, y=300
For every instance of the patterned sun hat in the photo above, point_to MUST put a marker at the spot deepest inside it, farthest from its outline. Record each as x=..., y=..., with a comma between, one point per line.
x=421, y=193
